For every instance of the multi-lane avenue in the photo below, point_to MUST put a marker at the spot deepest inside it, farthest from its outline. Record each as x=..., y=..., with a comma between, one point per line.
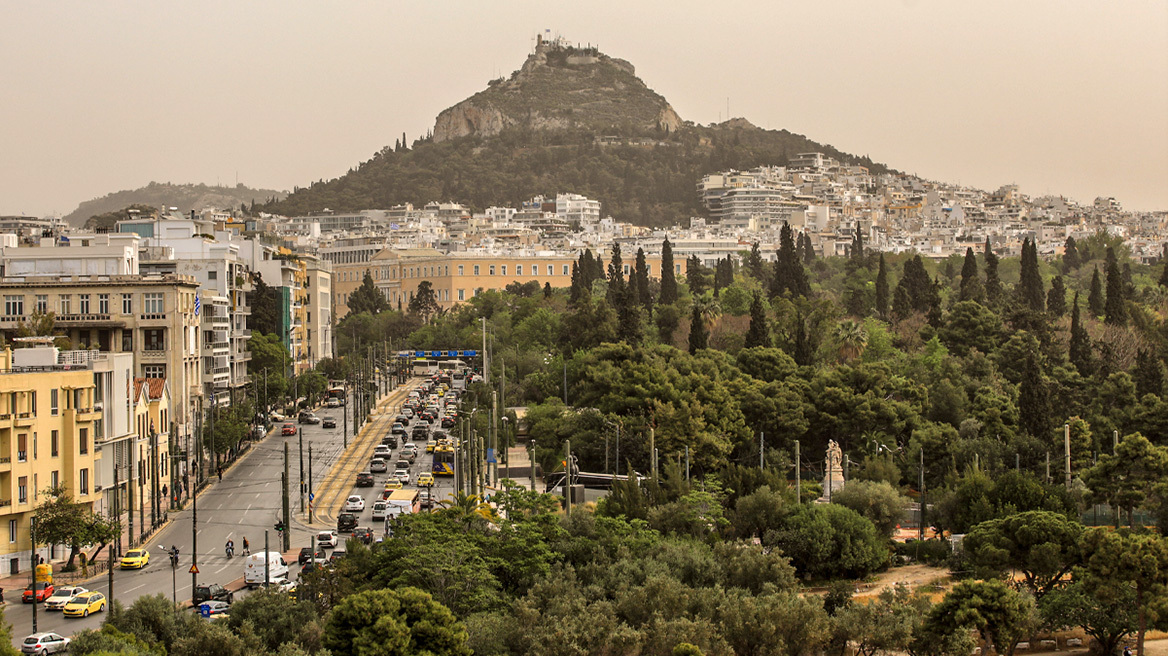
x=245, y=504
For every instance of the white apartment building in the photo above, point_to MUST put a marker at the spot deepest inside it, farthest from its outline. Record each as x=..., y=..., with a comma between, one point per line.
x=576, y=208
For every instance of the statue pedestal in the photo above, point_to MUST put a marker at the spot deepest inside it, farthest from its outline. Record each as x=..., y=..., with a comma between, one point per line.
x=833, y=482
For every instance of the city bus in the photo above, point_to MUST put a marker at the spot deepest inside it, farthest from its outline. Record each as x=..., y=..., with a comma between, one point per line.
x=424, y=367
x=443, y=463
x=336, y=391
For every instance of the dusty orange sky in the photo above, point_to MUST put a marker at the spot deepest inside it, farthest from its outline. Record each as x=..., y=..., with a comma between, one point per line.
x=1060, y=97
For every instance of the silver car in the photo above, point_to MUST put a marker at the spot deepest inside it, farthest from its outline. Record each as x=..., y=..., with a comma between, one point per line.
x=44, y=643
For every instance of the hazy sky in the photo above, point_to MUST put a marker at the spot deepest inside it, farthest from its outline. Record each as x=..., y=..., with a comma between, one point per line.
x=1060, y=97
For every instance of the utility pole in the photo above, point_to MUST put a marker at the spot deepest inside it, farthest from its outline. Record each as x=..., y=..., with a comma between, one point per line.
x=267, y=559
x=194, y=543
x=531, y=461
x=798, y=476
x=284, y=501
x=761, y=448
x=32, y=539
x=300, y=437
x=687, y=463
x=310, y=495
x=652, y=453
x=130, y=498
x=1067, y=451
x=921, y=528
x=486, y=361
x=345, y=414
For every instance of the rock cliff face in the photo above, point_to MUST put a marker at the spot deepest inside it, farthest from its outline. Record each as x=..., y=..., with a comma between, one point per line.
x=561, y=87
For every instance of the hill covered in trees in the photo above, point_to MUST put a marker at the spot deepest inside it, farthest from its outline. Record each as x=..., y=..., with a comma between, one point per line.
x=590, y=127
x=164, y=194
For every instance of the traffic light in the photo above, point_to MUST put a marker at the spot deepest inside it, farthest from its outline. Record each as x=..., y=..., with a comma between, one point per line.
x=280, y=526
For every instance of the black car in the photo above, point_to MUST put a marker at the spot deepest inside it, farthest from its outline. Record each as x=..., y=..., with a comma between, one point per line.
x=448, y=422
x=346, y=522
x=328, y=422
x=364, y=534
x=306, y=555
x=421, y=431
x=390, y=441
x=364, y=479
x=212, y=592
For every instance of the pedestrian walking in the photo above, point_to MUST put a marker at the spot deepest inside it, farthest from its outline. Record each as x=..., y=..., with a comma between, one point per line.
x=220, y=472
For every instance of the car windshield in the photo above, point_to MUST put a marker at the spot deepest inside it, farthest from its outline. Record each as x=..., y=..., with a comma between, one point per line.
x=133, y=554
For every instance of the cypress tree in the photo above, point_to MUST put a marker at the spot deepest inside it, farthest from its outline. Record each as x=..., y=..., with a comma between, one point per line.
x=616, y=277
x=1163, y=282
x=789, y=274
x=1030, y=292
x=1095, y=297
x=695, y=276
x=993, y=284
x=857, y=252
x=901, y=303
x=799, y=252
x=578, y=291
x=641, y=278
x=1034, y=407
x=668, y=277
x=882, y=290
x=755, y=263
x=804, y=352
x=971, y=288
x=758, y=334
x=808, y=249
x=922, y=294
x=1056, y=300
x=1071, y=258
x=1114, y=311
x=1148, y=377
x=628, y=316
x=1129, y=287
x=1080, y=346
x=697, y=331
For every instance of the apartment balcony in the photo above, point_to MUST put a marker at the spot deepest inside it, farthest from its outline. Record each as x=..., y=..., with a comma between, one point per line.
x=7, y=420
x=5, y=464
x=152, y=356
x=153, y=320
x=88, y=414
x=24, y=420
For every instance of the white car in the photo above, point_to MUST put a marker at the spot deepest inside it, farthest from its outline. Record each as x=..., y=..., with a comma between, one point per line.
x=332, y=403
x=354, y=504
x=61, y=596
x=380, y=510
x=402, y=475
x=326, y=539
x=382, y=451
x=44, y=643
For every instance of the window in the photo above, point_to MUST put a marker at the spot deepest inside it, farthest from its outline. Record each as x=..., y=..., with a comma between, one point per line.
x=54, y=479
x=626, y=269
x=153, y=339
x=518, y=269
x=84, y=303
x=491, y=270
x=212, y=275
x=13, y=306
x=648, y=269
x=54, y=401
x=550, y=269
x=22, y=447
x=563, y=272
x=22, y=489
x=476, y=269
x=12, y=530
x=504, y=269
x=152, y=303
x=42, y=303
x=66, y=304
x=103, y=303
x=127, y=341
x=127, y=304
x=83, y=440
x=83, y=482
x=154, y=371
x=55, y=442
x=460, y=269
x=462, y=294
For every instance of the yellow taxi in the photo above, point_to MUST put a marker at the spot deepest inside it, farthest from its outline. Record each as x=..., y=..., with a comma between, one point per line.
x=429, y=447
x=393, y=484
x=84, y=604
x=425, y=479
x=135, y=559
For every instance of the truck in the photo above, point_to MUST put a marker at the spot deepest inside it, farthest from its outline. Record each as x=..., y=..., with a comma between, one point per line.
x=254, y=573
x=404, y=502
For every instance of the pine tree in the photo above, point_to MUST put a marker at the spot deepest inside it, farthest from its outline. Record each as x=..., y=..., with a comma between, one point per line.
x=1095, y=298
x=1056, y=300
x=616, y=277
x=367, y=298
x=1079, y=351
x=1071, y=259
x=759, y=333
x=698, y=336
x=641, y=279
x=971, y=288
x=993, y=284
x=1149, y=378
x=1034, y=407
x=882, y=289
x=668, y=279
x=1115, y=309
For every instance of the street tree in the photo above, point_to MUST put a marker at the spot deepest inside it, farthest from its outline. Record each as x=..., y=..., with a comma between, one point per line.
x=1123, y=558
x=400, y=621
x=61, y=520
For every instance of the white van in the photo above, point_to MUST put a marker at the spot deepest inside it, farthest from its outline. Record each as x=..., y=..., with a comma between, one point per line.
x=254, y=572
x=380, y=510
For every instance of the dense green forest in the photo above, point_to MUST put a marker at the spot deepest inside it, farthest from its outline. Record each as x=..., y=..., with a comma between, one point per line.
x=967, y=375
x=643, y=184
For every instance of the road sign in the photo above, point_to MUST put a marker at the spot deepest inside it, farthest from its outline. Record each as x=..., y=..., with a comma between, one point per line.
x=491, y=456
x=311, y=496
x=205, y=610
x=193, y=570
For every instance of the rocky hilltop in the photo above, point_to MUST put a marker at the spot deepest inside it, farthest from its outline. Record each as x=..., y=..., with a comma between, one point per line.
x=561, y=87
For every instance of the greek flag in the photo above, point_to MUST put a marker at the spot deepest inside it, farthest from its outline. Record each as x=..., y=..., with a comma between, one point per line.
x=198, y=303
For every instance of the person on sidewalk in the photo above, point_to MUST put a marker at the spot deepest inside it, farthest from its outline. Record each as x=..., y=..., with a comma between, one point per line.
x=246, y=547
x=220, y=472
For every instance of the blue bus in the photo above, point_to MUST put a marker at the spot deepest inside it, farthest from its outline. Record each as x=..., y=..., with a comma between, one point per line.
x=443, y=463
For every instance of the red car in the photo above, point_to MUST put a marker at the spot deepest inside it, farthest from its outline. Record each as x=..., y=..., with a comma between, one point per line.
x=288, y=429
x=43, y=592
